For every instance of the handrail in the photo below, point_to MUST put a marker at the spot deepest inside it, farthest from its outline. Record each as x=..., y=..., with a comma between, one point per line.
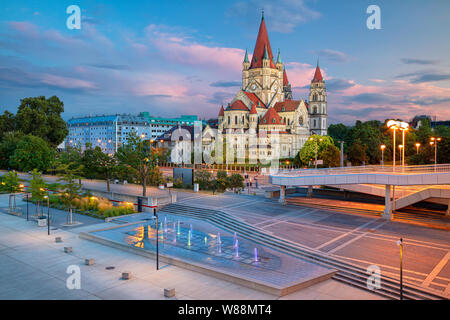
x=441, y=168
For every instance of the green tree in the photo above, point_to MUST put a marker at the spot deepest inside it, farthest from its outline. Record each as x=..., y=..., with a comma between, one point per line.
x=41, y=117
x=308, y=151
x=38, y=190
x=7, y=123
x=105, y=165
x=331, y=156
x=357, y=152
x=11, y=182
x=221, y=182
x=139, y=156
x=7, y=147
x=338, y=132
x=32, y=153
x=203, y=178
x=70, y=188
x=235, y=181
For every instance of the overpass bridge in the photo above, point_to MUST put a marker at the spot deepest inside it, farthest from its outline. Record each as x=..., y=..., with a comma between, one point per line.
x=430, y=181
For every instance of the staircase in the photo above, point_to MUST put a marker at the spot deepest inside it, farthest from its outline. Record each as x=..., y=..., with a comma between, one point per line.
x=347, y=273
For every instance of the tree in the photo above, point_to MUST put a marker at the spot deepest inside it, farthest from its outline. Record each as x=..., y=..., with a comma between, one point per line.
x=139, y=156
x=338, y=132
x=221, y=183
x=236, y=181
x=7, y=147
x=357, y=152
x=32, y=153
x=204, y=179
x=41, y=117
x=308, y=151
x=70, y=189
x=7, y=123
x=331, y=156
x=11, y=182
x=38, y=189
x=105, y=165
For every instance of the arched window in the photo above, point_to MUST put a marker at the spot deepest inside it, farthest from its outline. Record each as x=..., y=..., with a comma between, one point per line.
x=315, y=110
x=229, y=119
x=300, y=120
x=235, y=120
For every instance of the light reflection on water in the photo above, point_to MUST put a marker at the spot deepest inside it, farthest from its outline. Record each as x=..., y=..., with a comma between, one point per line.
x=144, y=236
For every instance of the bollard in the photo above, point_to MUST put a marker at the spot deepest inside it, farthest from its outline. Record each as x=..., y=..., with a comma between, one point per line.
x=126, y=275
x=169, y=293
x=68, y=249
x=89, y=262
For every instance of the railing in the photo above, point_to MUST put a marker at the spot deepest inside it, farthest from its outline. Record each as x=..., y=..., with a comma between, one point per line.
x=440, y=168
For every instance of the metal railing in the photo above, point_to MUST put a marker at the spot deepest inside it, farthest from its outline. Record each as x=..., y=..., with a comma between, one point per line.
x=373, y=169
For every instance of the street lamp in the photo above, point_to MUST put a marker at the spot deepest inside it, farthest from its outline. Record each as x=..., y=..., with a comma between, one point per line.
x=382, y=147
x=417, y=146
x=392, y=124
x=400, y=146
x=434, y=141
x=403, y=127
x=315, y=151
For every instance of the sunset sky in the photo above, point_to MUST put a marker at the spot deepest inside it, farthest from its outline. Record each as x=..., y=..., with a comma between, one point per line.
x=185, y=57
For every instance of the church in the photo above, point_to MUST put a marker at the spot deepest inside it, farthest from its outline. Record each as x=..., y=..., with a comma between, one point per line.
x=265, y=103
x=263, y=122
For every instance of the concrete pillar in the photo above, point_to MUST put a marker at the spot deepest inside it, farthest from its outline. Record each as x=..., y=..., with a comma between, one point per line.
x=282, y=194
x=310, y=192
x=393, y=198
x=387, y=203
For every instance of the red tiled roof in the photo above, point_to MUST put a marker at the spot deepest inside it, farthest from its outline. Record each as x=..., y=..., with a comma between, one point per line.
x=286, y=106
x=271, y=117
x=221, y=112
x=262, y=42
x=285, y=79
x=254, y=98
x=317, y=75
x=253, y=110
x=238, y=105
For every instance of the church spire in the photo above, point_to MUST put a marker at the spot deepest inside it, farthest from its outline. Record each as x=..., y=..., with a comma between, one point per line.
x=262, y=44
x=318, y=74
x=279, y=57
x=246, y=56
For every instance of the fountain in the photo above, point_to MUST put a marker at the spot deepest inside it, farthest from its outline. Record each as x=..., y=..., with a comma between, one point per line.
x=256, y=254
x=219, y=247
x=206, y=240
x=189, y=238
x=165, y=224
x=237, y=249
x=235, y=240
x=161, y=228
x=178, y=229
x=218, y=238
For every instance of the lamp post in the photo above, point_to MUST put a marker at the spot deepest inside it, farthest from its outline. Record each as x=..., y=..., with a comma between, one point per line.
x=315, y=151
x=434, y=141
x=48, y=214
x=342, y=153
x=403, y=127
x=400, y=146
x=392, y=124
x=382, y=147
x=417, y=146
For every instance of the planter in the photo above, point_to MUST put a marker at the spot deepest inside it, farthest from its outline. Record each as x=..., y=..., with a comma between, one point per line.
x=42, y=221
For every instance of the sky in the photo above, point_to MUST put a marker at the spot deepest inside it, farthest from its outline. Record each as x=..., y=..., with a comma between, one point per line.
x=185, y=57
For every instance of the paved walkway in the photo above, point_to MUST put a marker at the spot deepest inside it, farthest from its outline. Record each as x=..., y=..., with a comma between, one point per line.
x=34, y=267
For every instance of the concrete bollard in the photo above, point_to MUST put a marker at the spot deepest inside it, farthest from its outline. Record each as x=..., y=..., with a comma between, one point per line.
x=169, y=293
x=126, y=275
x=58, y=239
x=68, y=249
x=89, y=262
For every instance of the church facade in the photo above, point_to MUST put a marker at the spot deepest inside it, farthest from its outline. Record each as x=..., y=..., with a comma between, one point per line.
x=265, y=103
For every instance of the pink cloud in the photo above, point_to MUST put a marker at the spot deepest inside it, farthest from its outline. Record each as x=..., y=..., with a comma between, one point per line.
x=66, y=82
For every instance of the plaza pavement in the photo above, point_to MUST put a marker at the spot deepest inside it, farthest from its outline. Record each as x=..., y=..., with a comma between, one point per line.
x=34, y=267
x=357, y=239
